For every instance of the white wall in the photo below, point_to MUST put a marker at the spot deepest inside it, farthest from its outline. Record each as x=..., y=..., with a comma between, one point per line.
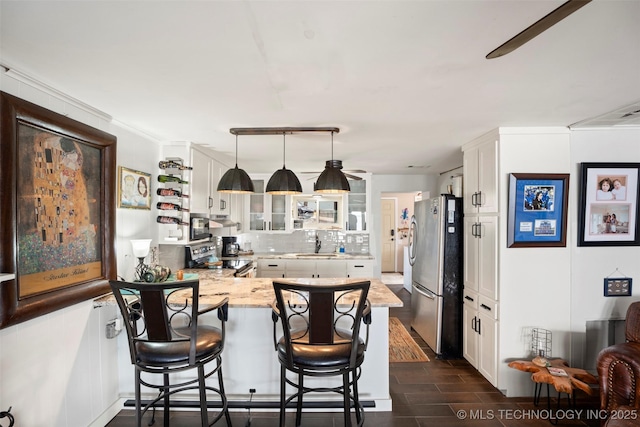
x=590, y=265
x=557, y=288
x=59, y=369
x=392, y=184
x=534, y=282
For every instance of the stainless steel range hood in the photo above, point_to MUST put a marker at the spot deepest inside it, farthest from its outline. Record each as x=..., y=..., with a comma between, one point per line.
x=221, y=221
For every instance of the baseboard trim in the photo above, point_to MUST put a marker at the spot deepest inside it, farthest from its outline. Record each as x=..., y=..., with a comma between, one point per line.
x=110, y=413
x=246, y=404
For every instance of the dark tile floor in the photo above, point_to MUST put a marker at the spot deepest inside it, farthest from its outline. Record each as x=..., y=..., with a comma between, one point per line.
x=436, y=393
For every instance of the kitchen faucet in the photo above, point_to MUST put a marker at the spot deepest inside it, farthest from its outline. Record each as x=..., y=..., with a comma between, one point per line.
x=318, y=243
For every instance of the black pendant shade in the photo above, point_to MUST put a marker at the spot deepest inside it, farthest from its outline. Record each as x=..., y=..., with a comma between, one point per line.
x=332, y=180
x=235, y=181
x=283, y=181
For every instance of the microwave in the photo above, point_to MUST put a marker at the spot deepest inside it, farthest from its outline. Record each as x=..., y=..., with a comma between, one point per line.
x=199, y=227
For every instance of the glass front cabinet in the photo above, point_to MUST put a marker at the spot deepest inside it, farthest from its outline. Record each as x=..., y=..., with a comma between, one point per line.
x=308, y=211
x=266, y=212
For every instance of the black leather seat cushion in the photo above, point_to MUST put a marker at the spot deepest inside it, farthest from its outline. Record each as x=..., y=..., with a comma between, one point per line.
x=176, y=352
x=321, y=356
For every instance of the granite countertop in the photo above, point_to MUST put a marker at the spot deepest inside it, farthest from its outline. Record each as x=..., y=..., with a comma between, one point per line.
x=258, y=293
x=327, y=255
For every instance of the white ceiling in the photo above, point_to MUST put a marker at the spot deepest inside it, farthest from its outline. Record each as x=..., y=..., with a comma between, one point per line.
x=406, y=82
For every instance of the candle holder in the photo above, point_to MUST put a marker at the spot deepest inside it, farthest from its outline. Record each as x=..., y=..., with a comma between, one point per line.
x=541, y=346
x=141, y=250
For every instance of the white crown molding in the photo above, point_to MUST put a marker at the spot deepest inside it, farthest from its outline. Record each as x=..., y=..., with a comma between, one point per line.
x=37, y=84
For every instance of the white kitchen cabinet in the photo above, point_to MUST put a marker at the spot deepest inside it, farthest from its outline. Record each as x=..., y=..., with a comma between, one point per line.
x=470, y=335
x=480, y=334
x=480, y=165
x=481, y=254
x=357, y=203
x=488, y=339
x=360, y=268
x=203, y=180
x=206, y=174
x=200, y=185
x=220, y=203
x=271, y=268
x=331, y=268
x=300, y=268
x=312, y=268
x=323, y=268
x=266, y=212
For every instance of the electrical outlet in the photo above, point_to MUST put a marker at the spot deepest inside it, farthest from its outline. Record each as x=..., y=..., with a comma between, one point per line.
x=111, y=331
x=252, y=390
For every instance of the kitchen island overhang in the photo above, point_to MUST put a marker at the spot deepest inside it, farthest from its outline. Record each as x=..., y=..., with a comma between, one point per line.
x=249, y=358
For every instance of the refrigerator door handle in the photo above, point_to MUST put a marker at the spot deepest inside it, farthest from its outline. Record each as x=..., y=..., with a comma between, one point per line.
x=424, y=292
x=413, y=232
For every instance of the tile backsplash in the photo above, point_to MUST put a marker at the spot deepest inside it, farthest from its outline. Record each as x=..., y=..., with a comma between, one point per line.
x=304, y=241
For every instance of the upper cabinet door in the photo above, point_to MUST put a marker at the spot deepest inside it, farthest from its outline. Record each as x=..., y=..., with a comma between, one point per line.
x=481, y=178
x=357, y=206
x=488, y=177
x=200, y=183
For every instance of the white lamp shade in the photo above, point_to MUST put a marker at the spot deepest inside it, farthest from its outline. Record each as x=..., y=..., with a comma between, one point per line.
x=141, y=247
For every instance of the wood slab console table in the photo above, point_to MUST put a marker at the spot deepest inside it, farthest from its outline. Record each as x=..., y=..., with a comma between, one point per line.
x=576, y=379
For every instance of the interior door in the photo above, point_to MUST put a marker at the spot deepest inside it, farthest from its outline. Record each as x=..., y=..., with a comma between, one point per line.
x=388, y=232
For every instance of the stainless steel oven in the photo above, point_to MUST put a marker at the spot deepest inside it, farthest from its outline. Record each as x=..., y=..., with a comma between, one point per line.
x=197, y=256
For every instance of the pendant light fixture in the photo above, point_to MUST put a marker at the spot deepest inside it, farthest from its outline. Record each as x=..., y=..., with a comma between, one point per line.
x=332, y=180
x=235, y=180
x=284, y=181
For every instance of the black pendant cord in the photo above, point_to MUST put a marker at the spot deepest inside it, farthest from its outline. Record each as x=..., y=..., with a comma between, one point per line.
x=284, y=150
x=331, y=147
x=236, y=151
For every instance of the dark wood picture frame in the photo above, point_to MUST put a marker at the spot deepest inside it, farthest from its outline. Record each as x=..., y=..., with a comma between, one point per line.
x=538, y=205
x=609, y=204
x=17, y=115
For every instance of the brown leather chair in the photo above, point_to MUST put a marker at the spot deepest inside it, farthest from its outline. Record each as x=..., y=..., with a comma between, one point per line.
x=619, y=373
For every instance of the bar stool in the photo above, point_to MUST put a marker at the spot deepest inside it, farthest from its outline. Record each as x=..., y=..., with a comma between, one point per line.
x=321, y=338
x=165, y=338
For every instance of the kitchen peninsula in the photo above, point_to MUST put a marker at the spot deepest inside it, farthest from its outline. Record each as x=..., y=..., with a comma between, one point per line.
x=249, y=358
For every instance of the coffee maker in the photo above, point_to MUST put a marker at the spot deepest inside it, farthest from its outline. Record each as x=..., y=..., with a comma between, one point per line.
x=230, y=246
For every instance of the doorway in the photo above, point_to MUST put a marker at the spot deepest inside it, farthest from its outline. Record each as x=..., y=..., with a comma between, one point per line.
x=388, y=233
x=396, y=211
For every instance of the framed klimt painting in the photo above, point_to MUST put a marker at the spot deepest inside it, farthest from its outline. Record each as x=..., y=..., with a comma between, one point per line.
x=58, y=185
x=537, y=210
x=609, y=208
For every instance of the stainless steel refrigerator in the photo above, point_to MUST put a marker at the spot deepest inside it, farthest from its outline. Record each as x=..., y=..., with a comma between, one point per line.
x=435, y=254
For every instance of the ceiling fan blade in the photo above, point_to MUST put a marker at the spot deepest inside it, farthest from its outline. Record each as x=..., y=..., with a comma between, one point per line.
x=348, y=175
x=538, y=27
x=353, y=177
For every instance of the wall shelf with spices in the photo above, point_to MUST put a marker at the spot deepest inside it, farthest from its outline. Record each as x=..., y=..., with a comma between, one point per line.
x=173, y=200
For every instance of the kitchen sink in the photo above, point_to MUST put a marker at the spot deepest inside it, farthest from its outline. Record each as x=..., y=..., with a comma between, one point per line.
x=329, y=255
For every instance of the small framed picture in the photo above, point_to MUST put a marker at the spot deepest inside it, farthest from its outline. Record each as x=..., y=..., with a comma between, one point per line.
x=537, y=210
x=608, y=206
x=134, y=189
x=617, y=287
